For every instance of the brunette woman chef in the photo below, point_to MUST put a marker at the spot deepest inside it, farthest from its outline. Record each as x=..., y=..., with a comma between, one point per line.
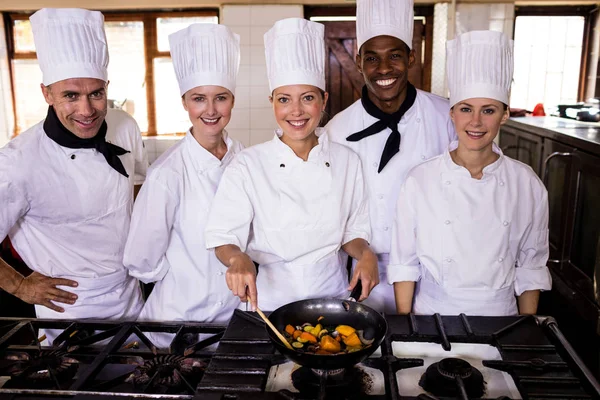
x=472, y=224
x=166, y=240
x=291, y=203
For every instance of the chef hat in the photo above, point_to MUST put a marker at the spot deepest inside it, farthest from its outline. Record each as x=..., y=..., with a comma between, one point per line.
x=205, y=54
x=70, y=43
x=479, y=64
x=384, y=17
x=295, y=53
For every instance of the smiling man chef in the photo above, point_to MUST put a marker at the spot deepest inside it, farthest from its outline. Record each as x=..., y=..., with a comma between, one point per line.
x=66, y=184
x=393, y=127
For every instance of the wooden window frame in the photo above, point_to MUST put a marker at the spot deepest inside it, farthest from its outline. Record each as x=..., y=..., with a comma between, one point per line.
x=567, y=11
x=151, y=51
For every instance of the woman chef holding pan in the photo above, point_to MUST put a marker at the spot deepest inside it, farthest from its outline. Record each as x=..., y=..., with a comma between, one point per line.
x=292, y=203
x=472, y=224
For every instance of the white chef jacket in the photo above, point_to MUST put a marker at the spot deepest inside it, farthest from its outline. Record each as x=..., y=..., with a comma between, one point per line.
x=472, y=243
x=292, y=216
x=67, y=213
x=166, y=238
x=426, y=131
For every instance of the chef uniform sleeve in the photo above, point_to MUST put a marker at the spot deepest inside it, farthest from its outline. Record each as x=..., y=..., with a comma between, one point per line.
x=231, y=213
x=149, y=233
x=359, y=224
x=532, y=272
x=13, y=200
x=404, y=263
x=141, y=158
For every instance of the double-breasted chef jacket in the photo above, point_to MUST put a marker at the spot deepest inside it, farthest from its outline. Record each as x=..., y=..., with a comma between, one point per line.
x=67, y=213
x=426, y=131
x=472, y=244
x=166, y=238
x=292, y=217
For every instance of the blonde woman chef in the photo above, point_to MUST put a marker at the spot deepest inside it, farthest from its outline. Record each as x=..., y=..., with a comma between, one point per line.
x=472, y=224
x=292, y=203
x=166, y=240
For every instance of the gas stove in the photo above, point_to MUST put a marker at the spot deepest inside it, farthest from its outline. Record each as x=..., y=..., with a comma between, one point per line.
x=422, y=357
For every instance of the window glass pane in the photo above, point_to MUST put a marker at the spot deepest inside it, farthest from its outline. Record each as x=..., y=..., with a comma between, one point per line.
x=166, y=26
x=23, y=36
x=30, y=103
x=547, y=61
x=170, y=115
x=127, y=69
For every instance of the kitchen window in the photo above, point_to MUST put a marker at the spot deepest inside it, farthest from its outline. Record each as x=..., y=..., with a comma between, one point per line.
x=142, y=80
x=550, y=54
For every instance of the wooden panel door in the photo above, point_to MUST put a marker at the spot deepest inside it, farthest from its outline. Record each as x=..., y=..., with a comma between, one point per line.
x=344, y=82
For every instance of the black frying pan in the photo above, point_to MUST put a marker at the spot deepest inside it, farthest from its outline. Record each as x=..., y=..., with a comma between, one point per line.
x=336, y=312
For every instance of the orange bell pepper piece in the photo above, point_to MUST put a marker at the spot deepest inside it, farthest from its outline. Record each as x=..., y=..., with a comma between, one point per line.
x=290, y=329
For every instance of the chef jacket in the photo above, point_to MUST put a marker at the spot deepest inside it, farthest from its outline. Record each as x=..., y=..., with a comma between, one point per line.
x=473, y=243
x=166, y=238
x=426, y=131
x=67, y=214
x=292, y=216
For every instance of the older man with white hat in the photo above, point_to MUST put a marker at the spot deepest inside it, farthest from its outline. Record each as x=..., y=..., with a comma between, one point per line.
x=394, y=126
x=292, y=203
x=66, y=184
x=472, y=224
x=166, y=239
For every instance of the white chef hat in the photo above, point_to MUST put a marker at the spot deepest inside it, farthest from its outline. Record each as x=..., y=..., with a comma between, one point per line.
x=205, y=54
x=70, y=43
x=479, y=64
x=384, y=17
x=295, y=53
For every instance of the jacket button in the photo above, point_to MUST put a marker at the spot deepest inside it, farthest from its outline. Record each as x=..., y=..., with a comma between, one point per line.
x=281, y=165
x=326, y=164
x=448, y=259
x=418, y=120
x=505, y=223
x=386, y=228
x=72, y=156
x=220, y=303
x=380, y=197
x=220, y=273
x=447, y=222
x=423, y=157
x=501, y=183
x=448, y=182
x=500, y=259
x=375, y=164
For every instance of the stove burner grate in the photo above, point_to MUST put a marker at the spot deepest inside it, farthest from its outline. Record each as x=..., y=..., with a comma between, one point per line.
x=168, y=373
x=453, y=377
x=350, y=383
x=46, y=369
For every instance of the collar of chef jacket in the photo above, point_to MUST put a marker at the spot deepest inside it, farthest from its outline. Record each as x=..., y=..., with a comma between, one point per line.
x=203, y=159
x=453, y=168
x=316, y=155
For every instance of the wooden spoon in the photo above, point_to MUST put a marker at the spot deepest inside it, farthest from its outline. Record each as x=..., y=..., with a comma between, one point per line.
x=279, y=335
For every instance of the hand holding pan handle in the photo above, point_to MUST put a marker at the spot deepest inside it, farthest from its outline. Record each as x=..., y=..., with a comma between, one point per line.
x=355, y=294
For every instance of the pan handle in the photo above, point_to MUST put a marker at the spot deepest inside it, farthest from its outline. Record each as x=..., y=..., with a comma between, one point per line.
x=355, y=294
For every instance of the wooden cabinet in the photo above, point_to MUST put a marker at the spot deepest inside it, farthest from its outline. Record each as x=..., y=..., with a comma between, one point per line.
x=522, y=146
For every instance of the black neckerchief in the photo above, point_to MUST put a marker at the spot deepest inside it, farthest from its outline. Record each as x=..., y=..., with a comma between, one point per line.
x=56, y=131
x=392, y=145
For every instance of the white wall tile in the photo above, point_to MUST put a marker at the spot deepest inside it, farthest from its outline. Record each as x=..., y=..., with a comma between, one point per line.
x=241, y=135
x=240, y=119
x=262, y=118
x=269, y=14
x=261, y=135
x=243, y=77
x=245, y=55
x=258, y=75
x=242, y=97
x=260, y=97
x=497, y=11
x=232, y=15
x=257, y=55
x=150, y=144
x=257, y=34
x=244, y=32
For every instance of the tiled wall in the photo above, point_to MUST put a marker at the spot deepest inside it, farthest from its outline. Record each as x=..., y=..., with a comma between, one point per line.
x=252, y=118
x=6, y=110
x=469, y=17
